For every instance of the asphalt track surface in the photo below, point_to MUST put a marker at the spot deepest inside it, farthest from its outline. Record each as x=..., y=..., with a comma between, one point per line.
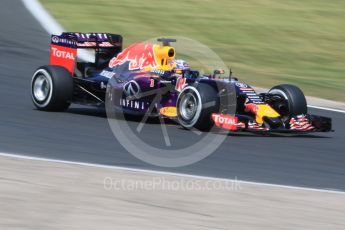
x=83, y=134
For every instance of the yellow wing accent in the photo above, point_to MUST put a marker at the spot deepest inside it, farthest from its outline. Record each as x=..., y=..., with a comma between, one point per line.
x=265, y=111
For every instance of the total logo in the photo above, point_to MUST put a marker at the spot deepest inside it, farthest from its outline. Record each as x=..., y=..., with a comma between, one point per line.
x=225, y=121
x=62, y=54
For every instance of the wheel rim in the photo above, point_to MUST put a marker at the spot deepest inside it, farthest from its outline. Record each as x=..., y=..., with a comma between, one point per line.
x=285, y=115
x=41, y=88
x=189, y=106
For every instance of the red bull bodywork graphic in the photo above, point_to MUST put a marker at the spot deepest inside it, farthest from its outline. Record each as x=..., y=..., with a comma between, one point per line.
x=139, y=55
x=261, y=111
x=146, y=56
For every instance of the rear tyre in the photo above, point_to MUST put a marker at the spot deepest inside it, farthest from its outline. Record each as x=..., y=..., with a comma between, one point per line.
x=51, y=88
x=195, y=106
x=294, y=97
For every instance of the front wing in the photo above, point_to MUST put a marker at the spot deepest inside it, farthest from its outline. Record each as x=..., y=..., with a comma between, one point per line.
x=299, y=124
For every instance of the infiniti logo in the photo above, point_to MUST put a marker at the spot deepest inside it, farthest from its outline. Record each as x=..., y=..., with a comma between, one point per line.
x=132, y=89
x=55, y=39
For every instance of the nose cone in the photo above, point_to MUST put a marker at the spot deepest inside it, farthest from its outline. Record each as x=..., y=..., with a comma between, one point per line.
x=274, y=122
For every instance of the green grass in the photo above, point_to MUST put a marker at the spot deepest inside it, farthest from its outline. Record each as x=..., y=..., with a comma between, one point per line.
x=266, y=42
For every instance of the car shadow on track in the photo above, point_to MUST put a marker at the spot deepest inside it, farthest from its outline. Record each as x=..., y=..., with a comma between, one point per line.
x=265, y=135
x=285, y=135
x=100, y=112
x=94, y=112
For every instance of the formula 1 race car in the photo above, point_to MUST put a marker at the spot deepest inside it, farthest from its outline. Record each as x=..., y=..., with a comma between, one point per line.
x=145, y=79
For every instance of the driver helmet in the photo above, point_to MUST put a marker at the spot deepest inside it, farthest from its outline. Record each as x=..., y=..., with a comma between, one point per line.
x=182, y=64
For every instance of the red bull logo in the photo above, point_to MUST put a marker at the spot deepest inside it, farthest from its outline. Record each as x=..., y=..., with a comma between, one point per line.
x=261, y=110
x=140, y=56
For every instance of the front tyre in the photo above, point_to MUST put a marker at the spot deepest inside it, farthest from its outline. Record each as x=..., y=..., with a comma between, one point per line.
x=195, y=106
x=294, y=98
x=51, y=88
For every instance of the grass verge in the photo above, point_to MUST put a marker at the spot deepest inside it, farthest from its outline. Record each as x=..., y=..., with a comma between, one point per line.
x=266, y=42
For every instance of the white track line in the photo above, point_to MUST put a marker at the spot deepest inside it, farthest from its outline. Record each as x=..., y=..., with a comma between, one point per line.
x=164, y=173
x=43, y=17
x=327, y=109
x=51, y=25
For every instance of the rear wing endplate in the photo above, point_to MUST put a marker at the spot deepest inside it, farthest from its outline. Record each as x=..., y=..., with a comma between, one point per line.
x=63, y=48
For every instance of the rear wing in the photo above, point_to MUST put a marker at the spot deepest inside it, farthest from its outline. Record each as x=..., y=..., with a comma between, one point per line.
x=64, y=47
x=87, y=40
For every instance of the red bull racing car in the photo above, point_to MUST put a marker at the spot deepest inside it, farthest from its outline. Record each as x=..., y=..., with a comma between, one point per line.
x=146, y=79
